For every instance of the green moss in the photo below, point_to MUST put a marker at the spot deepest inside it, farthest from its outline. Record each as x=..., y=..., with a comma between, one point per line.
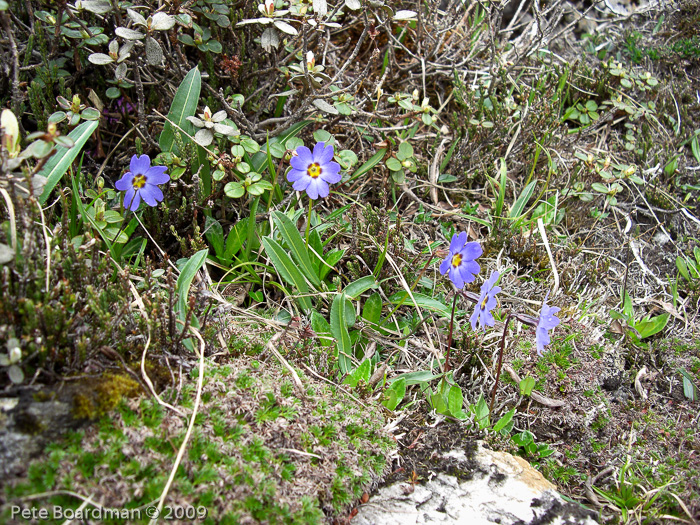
x=98, y=400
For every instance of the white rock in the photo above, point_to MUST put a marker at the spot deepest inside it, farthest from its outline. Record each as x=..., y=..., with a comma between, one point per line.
x=502, y=489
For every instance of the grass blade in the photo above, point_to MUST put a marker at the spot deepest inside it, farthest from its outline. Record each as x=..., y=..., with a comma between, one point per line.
x=339, y=331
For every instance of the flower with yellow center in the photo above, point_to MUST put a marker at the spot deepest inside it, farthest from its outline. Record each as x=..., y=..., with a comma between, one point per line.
x=141, y=182
x=314, y=171
x=487, y=302
x=460, y=263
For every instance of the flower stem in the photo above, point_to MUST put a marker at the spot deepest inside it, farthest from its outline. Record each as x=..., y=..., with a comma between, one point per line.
x=500, y=361
x=308, y=223
x=449, y=337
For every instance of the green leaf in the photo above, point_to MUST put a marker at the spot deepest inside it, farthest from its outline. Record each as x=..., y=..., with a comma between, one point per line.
x=649, y=327
x=235, y=239
x=184, y=281
x=482, y=413
x=526, y=386
x=504, y=421
x=372, y=310
x=689, y=389
x=520, y=204
x=215, y=235
x=331, y=258
x=498, y=211
x=321, y=327
x=367, y=166
x=288, y=271
x=423, y=301
x=184, y=105
x=393, y=164
x=415, y=378
x=395, y=393
x=454, y=402
x=405, y=150
x=296, y=244
x=358, y=287
x=58, y=164
x=339, y=331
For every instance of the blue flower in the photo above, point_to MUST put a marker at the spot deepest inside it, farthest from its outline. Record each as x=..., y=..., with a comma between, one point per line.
x=460, y=262
x=547, y=321
x=142, y=183
x=487, y=302
x=313, y=172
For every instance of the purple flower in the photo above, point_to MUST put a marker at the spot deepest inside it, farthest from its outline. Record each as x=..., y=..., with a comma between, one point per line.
x=460, y=261
x=313, y=172
x=547, y=321
x=142, y=182
x=487, y=302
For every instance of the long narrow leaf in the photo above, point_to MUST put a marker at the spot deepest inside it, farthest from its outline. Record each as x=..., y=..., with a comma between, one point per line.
x=339, y=331
x=287, y=270
x=59, y=163
x=423, y=301
x=358, y=287
x=371, y=163
x=184, y=281
x=520, y=203
x=296, y=244
x=184, y=105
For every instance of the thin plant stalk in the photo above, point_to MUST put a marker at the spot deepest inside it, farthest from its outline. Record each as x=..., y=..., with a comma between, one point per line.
x=449, y=337
x=308, y=223
x=500, y=361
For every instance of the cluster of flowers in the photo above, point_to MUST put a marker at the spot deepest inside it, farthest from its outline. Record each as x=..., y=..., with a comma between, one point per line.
x=461, y=267
x=313, y=172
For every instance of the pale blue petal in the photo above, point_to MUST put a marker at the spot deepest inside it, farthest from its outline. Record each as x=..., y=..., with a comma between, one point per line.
x=304, y=154
x=125, y=182
x=157, y=175
x=140, y=165
x=472, y=250
x=295, y=175
x=302, y=183
x=445, y=266
x=300, y=164
x=458, y=241
x=323, y=155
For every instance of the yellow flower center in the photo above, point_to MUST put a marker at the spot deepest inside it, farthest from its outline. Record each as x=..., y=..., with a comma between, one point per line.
x=456, y=260
x=314, y=170
x=138, y=182
x=483, y=303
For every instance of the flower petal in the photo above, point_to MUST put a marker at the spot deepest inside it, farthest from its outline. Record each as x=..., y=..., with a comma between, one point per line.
x=323, y=154
x=331, y=173
x=299, y=163
x=157, y=175
x=457, y=278
x=320, y=186
x=140, y=165
x=304, y=154
x=302, y=183
x=458, y=241
x=471, y=250
x=125, y=182
x=468, y=270
x=445, y=266
x=475, y=316
x=132, y=200
x=295, y=174
x=157, y=193
x=147, y=195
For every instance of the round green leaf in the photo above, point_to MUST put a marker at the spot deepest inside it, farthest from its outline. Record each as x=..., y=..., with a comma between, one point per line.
x=234, y=190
